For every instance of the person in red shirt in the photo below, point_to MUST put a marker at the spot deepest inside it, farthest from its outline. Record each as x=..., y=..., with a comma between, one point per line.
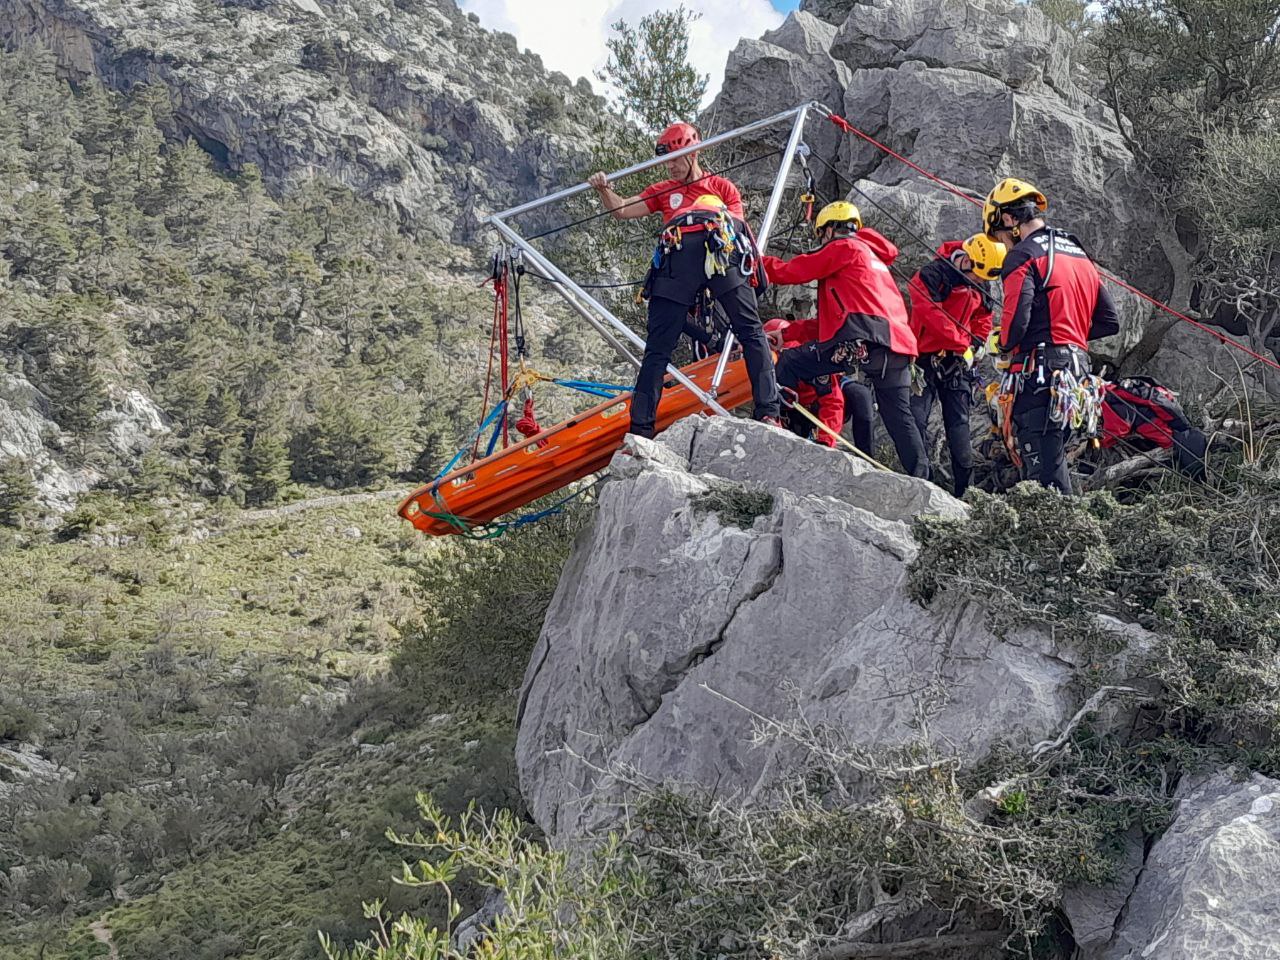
x=823, y=396
x=951, y=318
x=862, y=322
x=704, y=245
x=1054, y=304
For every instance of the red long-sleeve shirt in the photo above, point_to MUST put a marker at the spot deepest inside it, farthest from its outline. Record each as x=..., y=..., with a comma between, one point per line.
x=857, y=296
x=949, y=313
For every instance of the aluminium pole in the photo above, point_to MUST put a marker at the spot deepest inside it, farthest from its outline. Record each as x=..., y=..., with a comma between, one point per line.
x=653, y=162
x=588, y=316
x=766, y=226
x=546, y=266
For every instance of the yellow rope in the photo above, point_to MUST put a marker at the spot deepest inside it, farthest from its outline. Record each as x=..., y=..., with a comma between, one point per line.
x=798, y=407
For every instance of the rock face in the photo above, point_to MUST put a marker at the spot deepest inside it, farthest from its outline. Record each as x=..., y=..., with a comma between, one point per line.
x=130, y=425
x=1208, y=889
x=736, y=558
x=410, y=101
x=28, y=434
x=972, y=91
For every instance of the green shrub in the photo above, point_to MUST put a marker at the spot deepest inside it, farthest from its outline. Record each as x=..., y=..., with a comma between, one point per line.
x=486, y=601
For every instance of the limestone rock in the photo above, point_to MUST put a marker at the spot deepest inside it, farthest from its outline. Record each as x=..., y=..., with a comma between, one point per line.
x=411, y=103
x=28, y=434
x=133, y=423
x=972, y=91
x=1208, y=889
x=793, y=65
x=734, y=556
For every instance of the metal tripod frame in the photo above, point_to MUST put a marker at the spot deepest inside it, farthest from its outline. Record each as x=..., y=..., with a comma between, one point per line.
x=600, y=317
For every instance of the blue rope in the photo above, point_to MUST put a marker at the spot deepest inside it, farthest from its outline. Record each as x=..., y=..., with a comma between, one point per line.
x=493, y=414
x=605, y=390
x=557, y=507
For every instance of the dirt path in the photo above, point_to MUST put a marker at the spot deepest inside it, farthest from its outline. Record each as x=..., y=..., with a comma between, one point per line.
x=274, y=513
x=102, y=933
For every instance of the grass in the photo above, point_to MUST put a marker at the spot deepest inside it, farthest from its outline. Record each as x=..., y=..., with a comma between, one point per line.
x=303, y=588
x=321, y=608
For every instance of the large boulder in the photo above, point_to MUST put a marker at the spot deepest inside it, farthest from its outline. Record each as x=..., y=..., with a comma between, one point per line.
x=29, y=435
x=1208, y=890
x=733, y=567
x=971, y=92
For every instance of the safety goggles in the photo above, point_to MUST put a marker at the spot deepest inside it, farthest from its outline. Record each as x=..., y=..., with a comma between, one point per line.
x=661, y=150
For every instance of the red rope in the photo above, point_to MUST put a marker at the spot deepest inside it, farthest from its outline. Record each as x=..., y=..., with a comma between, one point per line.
x=1195, y=323
x=501, y=289
x=848, y=127
x=488, y=374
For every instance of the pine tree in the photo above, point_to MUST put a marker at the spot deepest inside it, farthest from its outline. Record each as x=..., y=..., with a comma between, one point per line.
x=17, y=492
x=266, y=466
x=649, y=68
x=77, y=392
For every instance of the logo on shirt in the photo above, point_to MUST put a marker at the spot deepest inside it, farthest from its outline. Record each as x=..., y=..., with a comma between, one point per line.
x=676, y=200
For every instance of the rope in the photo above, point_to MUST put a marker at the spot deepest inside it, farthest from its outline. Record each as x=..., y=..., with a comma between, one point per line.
x=494, y=529
x=679, y=186
x=933, y=254
x=804, y=412
x=591, y=286
x=846, y=126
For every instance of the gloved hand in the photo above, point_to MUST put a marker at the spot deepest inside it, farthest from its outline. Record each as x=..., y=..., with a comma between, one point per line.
x=969, y=357
x=993, y=342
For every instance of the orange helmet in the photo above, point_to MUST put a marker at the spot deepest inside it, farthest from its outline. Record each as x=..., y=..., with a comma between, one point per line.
x=676, y=137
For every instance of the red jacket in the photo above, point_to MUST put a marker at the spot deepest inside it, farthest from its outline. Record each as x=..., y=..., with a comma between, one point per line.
x=796, y=333
x=857, y=298
x=1053, y=294
x=949, y=313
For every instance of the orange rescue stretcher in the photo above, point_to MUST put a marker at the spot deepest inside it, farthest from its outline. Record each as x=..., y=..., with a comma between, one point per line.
x=513, y=477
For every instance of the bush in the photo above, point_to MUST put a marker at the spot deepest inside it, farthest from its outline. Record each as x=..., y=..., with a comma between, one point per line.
x=17, y=721
x=487, y=603
x=347, y=446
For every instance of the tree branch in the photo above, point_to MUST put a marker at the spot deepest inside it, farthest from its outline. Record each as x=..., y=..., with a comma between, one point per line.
x=911, y=948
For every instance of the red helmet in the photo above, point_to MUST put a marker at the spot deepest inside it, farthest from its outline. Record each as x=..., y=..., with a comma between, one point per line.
x=676, y=137
x=776, y=324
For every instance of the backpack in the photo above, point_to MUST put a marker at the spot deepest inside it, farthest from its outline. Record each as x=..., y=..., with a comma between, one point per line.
x=1143, y=413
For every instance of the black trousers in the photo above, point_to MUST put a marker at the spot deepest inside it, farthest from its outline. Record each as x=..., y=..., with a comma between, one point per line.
x=948, y=381
x=1041, y=442
x=890, y=377
x=673, y=292
x=859, y=409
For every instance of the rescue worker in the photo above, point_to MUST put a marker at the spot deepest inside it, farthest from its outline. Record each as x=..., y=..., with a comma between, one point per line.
x=823, y=396
x=1054, y=304
x=951, y=318
x=862, y=321
x=704, y=245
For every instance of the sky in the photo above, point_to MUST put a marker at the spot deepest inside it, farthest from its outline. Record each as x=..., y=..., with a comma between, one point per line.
x=570, y=35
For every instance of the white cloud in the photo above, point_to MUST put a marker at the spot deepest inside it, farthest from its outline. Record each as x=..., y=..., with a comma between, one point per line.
x=570, y=35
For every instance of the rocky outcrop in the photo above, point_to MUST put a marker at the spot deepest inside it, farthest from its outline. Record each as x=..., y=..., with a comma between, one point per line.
x=733, y=560
x=129, y=426
x=970, y=91
x=29, y=435
x=1208, y=889
x=409, y=102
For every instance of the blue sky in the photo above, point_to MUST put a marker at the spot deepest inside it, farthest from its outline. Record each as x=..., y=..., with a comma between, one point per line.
x=570, y=36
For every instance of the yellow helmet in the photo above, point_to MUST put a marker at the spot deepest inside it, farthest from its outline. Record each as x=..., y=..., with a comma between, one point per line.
x=1009, y=191
x=842, y=211
x=987, y=255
